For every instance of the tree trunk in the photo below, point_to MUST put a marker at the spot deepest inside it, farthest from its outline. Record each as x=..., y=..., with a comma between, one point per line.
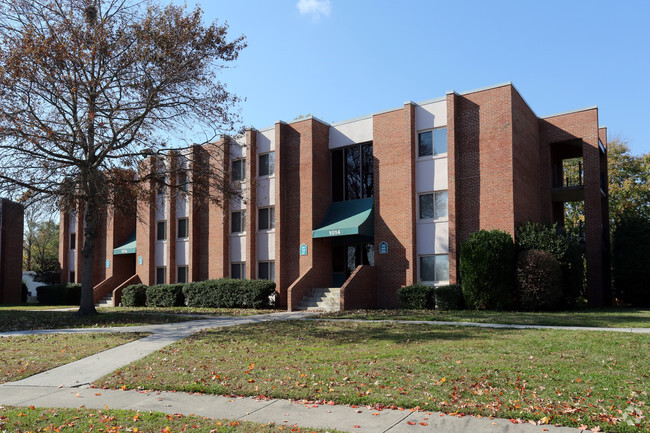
x=87, y=304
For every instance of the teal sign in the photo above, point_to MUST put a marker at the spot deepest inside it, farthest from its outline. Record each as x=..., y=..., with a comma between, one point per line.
x=140, y=260
x=383, y=248
x=303, y=249
x=108, y=264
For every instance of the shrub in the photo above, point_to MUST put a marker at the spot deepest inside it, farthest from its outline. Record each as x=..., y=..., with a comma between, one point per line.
x=568, y=253
x=59, y=294
x=539, y=280
x=134, y=295
x=229, y=293
x=448, y=297
x=486, y=270
x=24, y=292
x=631, y=261
x=416, y=297
x=165, y=295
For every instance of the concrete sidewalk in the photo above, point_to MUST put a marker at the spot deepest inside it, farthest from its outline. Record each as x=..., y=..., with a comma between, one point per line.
x=68, y=386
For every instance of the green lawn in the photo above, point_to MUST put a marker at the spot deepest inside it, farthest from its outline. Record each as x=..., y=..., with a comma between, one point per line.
x=23, y=356
x=17, y=319
x=615, y=317
x=565, y=377
x=116, y=421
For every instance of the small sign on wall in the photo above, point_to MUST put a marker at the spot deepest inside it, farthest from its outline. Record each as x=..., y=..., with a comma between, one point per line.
x=383, y=247
x=108, y=264
x=139, y=260
x=303, y=249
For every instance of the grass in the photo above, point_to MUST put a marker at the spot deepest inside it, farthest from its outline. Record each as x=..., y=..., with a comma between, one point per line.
x=23, y=356
x=564, y=377
x=615, y=317
x=14, y=419
x=15, y=319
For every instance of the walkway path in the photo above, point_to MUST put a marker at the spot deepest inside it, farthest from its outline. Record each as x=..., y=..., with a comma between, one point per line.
x=68, y=386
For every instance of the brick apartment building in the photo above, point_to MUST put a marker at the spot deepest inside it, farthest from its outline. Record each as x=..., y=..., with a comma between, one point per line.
x=11, y=251
x=366, y=205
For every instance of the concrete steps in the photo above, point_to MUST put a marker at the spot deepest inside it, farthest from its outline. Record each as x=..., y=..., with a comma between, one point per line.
x=106, y=301
x=322, y=299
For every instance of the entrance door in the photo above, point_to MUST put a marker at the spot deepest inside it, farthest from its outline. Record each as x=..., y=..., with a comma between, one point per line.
x=347, y=257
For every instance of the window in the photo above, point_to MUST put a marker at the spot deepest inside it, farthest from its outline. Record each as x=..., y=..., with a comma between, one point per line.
x=432, y=142
x=183, y=180
x=238, y=170
x=161, y=231
x=181, y=274
x=266, y=271
x=434, y=268
x=161, y=184
x=238, y=271
x=238, y=222
x=352, y=172
x=183, y=231
x=433, y=205
x=266, y=219
x=161, y=275
x=267, y=164
x=73, y=241
x=72, y=277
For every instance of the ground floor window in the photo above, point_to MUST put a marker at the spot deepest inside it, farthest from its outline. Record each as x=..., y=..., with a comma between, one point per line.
x=266, y=271
x=161, y=275
x=72, y=277
x=434, y=268
x=181, y=274
x=238, y=271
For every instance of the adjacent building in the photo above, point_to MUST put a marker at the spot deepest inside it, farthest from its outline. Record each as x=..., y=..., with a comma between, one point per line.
x=11, y=251
x=365, y=206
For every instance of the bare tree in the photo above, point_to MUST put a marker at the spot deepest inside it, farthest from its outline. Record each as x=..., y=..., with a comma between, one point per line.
x=90, y=87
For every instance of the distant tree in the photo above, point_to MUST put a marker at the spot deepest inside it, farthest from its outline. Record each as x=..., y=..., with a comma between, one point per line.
x=41, y=240
x=88, y=87
x=629, y=182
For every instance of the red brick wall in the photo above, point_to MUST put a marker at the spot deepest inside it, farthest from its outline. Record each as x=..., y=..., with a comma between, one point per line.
x=11, y=251
x=146, y=227
x=529, y=197
x=218, y=229
x=394, y=200
x=64, y=244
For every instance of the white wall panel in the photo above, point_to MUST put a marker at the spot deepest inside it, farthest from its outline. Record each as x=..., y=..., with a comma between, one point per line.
x=237, y=248
x=182, y=253
x=345, y=134
x=431, y=115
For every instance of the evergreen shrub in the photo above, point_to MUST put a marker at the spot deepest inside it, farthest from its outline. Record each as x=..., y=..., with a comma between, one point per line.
x=59, y=294
x=134, y=295
x=486, y=268
x=165, y=295
x=567, y=251
x=539, y=280
x=416, y=297
x=449, y=297
x=229, y=293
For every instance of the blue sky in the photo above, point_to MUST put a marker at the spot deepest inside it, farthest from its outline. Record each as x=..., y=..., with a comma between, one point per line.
x=339, y=59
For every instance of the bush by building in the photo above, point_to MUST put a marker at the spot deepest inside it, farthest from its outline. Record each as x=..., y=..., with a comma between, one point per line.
x=486, y=268
x=449, y=297
x=539, y=280
x=165, y=295
x=416, y=297
x=134, y=295
x=229, y=293
x=59, y=294
x=631, y=261
x=567, y=251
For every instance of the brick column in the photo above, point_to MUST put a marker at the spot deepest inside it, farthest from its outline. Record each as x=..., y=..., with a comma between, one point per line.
x=64, y=244
x=454, y=245
x=218, y=215
x=251, y=205
x=281, y=282
x=146, y=226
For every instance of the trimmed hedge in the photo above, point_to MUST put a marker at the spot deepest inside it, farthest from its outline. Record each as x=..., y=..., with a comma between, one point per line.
x=229, y=293
x=449, y=297
x=486, y=268
x=165, y=295
x=568, y=253
x=59, y=294
x=134, y=295
x=416, y=297
x=539, y=280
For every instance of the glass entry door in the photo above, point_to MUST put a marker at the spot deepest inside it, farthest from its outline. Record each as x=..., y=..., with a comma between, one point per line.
x=347, y=257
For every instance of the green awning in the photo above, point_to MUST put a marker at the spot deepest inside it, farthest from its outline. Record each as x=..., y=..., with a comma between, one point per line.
x=128, y=247
x=345, y=218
